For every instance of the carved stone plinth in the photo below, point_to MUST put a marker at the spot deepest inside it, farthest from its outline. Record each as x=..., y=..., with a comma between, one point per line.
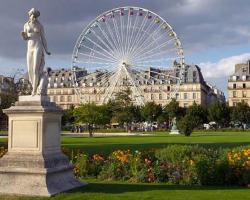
x=34, y=164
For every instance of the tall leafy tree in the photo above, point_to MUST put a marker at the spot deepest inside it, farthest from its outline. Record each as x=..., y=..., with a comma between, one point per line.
x=219, y=112
x=91, y=114
x=174, y=110
x=197, y=115
x=241, y=114
x=151, y=111
x=68, y=116
x=122, y=107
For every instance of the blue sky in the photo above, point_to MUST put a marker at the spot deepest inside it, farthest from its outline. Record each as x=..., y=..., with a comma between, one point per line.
x=215, y=33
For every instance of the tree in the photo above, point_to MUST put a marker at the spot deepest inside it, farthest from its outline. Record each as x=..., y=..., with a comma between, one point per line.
x=186, y=125
x=241, y=114
x=173, y=110
x=197, y=115
x=92, y=115
x=151, y=111
x=220, y=113
x=122, y=108
x=68, y=116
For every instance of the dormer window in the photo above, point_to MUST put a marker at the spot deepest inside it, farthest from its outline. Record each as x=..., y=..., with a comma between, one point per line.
x=244, y=77
x=234, y=78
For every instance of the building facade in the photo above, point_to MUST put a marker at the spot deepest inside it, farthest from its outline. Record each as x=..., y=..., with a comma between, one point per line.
x=239, y=84
x=194, y=88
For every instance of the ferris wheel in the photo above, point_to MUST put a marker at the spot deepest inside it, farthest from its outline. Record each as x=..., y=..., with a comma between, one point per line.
x=127, y=47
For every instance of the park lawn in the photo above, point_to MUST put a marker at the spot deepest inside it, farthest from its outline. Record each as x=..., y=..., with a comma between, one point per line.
x=105, y=145
x=103, y=190
x=98, y=190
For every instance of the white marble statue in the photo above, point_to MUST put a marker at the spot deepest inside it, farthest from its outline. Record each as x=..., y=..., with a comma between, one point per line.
x=34, y=35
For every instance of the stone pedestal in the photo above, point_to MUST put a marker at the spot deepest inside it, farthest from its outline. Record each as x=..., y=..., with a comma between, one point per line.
x=174, y=131
x=34, y=164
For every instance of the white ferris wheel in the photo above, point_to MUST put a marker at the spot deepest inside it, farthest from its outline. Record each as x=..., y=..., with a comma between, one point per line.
x=127, y=47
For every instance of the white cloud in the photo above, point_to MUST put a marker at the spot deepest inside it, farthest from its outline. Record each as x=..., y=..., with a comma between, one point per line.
x=223, y=67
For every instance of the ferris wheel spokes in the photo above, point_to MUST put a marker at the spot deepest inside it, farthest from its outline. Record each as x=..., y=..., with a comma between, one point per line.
x=127, y=43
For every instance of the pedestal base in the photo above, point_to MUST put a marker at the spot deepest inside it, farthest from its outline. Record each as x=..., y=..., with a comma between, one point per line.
x=34, y=164
x=174, y=132
x=36, y=175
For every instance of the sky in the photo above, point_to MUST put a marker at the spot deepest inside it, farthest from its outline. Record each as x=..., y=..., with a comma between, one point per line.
x=215, y=33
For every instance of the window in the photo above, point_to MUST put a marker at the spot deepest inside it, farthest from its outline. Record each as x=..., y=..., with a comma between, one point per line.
x=234, y=86
x=185, y=105
x=185, y=96
x=244, y=94
x=61, y=98
x=194, y=76
x=152, y=97
x=194, y=95
x=244, y=85
x=160, y=96
x=234, y=103
x=69, y=99
x=168, y=88
x=234, y=94
x=177, y=95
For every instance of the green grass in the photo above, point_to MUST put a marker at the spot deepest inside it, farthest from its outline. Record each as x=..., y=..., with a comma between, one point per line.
x=105, y=145
x=97, y=190
x=121, y=190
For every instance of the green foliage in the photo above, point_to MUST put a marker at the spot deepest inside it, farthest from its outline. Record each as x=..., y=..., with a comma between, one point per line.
x=240, y=113
x=174, y=110
x=68, y=116
x=81, y=165
x=151, y=111
x=197, y=115
x=175, y=164
x=220, y=113
x=7, y=100
x=122, y=109
x=91, y=114
x=186, y=125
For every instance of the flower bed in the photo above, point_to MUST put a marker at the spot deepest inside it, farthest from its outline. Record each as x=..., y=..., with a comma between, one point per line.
x=175, y=164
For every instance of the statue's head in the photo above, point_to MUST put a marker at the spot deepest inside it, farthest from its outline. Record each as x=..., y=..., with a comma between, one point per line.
x=33, y=14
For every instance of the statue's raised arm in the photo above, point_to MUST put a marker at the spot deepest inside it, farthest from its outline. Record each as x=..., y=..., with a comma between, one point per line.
x=34, y=34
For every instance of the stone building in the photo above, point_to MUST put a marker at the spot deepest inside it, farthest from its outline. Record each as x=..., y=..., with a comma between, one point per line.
x=194, y=89
x=239, y=84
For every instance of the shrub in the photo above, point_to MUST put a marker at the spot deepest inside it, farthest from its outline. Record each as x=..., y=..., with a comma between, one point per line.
x=95, y=165
x=81, y=165
x=186, y=125
x=117, y=167
x=239, y=166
